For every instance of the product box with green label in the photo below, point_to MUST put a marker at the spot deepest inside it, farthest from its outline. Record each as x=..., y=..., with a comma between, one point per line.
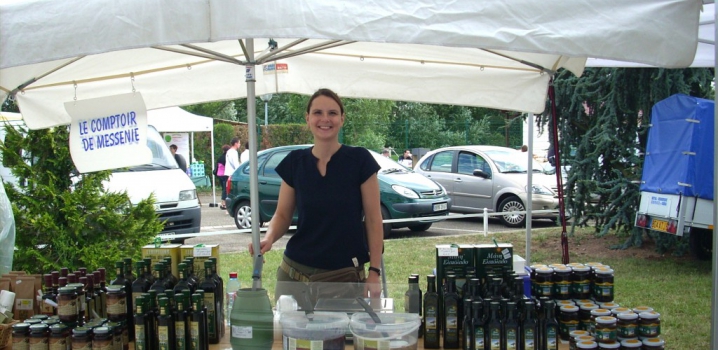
x=157, y=253
x=493, y=257
x=201, y=253
x=453, y=259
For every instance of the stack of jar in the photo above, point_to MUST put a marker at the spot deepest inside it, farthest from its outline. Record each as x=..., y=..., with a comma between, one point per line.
x=588, y=316
x=49, y=333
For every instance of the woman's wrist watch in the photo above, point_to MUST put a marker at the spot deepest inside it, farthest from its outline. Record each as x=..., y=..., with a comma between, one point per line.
x=372, y=268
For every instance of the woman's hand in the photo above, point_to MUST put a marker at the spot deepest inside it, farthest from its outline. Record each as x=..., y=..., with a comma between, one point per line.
x=372, y=286
x=265, y=246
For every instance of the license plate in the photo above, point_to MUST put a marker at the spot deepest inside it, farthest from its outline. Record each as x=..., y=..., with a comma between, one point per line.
x=659, y=225
x=440, y=206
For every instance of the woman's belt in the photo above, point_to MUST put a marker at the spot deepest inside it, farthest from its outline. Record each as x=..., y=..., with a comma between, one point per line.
x=302, y=277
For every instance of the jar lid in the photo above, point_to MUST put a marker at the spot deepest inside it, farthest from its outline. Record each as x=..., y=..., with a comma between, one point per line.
x=22, y=326
x=605, y=319
x=557, y=265
x=639, y=309
x=586, y=345
x=569, y=308
x=654, y=342
x=565, y=302
x=619, y=310
x=604, y=271
x=66, y=290
x=583, y=301
x=584, y=338
x=43, y=317
x=649, y=315
x=593, y=264
x=40, y=327
x=81, y=331
x=58, y=328
x=632, y=343
x=609, y=306
x=609, y=345
x=578, y=333
x=627, y=316
x=575, y=264
x=115, y=288
x=544, y=270
x=600, y=312
x=536, y=266
x=582, y=268
x=101, y=330
x=562, y=269
x=588, y=307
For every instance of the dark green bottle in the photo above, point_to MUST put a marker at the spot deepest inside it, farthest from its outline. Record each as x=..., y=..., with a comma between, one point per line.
x=142, y=337
x=181, y=322
x=432, y=325
x=158, y=275
x=416, y=276
x=198, y=324
x=550, y=328
x=529, y=327
x=183, y=282
x=165, y=327
x=466, y=330
x=209, y=286
x=478, y=324
x=148, y=272
x=494, y=327
x=511, y=327
x=139, y=286
x=452, y=304
x=218, y=298
x=121, y=280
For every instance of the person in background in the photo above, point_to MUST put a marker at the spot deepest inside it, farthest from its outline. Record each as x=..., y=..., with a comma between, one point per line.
x=524, y=148
x=222, y=177
x=178, y=158
x=244, y=157
x=406, y=159
x=231, y=159
x=335, y=190
x=385, y=153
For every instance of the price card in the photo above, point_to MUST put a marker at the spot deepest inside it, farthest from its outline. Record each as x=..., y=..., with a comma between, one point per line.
x=202, y=251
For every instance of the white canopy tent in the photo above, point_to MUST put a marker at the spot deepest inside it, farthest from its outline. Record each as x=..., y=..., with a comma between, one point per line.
x=489, y=53
x=175, y=119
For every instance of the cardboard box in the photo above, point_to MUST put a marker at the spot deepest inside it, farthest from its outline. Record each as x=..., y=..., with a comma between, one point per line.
x=453, y=259
x=163, y=251
x=493, y=258
x=201, y=253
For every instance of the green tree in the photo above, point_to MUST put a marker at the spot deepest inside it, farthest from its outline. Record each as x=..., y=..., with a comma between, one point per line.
x=602, y=126
x=63, y=218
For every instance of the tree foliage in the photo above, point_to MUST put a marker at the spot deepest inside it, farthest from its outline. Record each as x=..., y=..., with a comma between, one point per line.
x=64, y=219
x=602, y=119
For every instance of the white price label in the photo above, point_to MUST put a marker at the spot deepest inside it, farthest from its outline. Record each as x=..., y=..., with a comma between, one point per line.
x=241, y=332
x=506, y=253
x=448, y=251
x=202, y=251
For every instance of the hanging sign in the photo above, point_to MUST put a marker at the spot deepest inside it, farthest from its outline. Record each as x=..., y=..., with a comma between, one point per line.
x=108, y=132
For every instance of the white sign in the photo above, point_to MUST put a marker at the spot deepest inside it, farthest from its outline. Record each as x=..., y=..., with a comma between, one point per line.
x=181, y=140
x=108, y=132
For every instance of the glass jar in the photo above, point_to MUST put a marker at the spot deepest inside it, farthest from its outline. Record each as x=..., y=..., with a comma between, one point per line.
x=654, y=344
x=649, y=324
x=67, y=305
x=627, y=325
x=568, y=321
x=603, y=285
x=584, y=316
x=609, y=345
x=544, y=282
x=21, y=336
x=39, y=337
x=561, y=283
x=82, y=338
x=116, y=303
x=101, y=338
x=631, y=344
x=605, y=329
x=59, y=334
x=581, y=282
x=574, y=335
x=597, y=313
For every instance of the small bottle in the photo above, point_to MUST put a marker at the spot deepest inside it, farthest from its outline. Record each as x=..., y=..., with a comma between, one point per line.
x=494, y=328
x=432, y=329
x=165, y=327
x=209, y=287
x=233, y=286
x=511, y=328
x=452, y=304
x=49, y=299
x=529, y=327
x=198, y=324
x=478, y=335
x=550, y=328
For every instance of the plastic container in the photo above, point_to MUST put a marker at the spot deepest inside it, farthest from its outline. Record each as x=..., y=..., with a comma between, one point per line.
x=398, y=331
x=232, y=287
x=299, y=332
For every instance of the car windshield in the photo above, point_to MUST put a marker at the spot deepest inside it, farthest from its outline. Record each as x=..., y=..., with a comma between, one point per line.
x=162, y=158
x=510, y=161
x=388, y=165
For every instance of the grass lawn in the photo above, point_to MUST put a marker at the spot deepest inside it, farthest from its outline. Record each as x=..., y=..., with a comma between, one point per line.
x=679, y=288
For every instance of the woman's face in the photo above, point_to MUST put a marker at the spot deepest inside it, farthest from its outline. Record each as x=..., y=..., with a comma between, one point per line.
x=324, y=118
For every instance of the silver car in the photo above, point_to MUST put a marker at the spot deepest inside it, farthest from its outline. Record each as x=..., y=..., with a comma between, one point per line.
x=478, y=177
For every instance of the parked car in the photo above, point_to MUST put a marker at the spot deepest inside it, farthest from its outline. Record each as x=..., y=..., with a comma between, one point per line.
x=404, y=193
x=478, y=177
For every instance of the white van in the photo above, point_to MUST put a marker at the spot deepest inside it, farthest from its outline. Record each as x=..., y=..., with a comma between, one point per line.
x=176, y=199
x=175, y=194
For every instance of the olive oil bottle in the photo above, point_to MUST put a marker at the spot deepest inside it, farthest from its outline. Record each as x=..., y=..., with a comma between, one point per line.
x=494, y=327
x=452, y=303
x=198, y=324
x=466, y=330
x=550, y=327
x=432, y=326
x=529, y=327
x=511, y=327
x=165, y=327
x=142, y=337
x=478, y=325
x=181, y=322
x=209, y=286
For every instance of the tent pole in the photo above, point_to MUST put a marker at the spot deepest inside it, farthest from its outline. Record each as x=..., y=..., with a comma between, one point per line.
x=714, y=295
x=211, y=147
x=529, y=185
x=253, y=178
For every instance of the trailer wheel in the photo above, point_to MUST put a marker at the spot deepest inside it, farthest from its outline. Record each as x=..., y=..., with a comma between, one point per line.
x=701, y=243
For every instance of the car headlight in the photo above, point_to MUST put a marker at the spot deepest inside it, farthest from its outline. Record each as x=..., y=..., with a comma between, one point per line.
x=408, y=193
x=540, y=189
x=187, y=195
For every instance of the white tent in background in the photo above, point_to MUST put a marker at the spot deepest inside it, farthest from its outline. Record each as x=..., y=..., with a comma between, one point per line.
x=175, y=119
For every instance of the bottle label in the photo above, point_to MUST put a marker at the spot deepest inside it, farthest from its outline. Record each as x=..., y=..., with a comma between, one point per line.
x=241, y=332
x=58, y=344
x=67, y=307
x=495, y=339
x=140, y=337
x=366, y=344
x=479, y=337
x=211, y=315
x=552, y=338
x=431, y=323
x=38, y=344
x=194, y=335
x=567, y=327
x=605, y=334
x=116, y=307
x=82, y=345
x=627, y=330
x=561, y=289
x=529, y=339
x=511, y=343
x=649, y=329
x=163, y=337
x=179, y=333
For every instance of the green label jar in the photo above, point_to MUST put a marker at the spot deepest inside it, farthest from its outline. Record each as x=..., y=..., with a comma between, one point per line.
x=603, y=285
x=584, y=316
x=594, y=314
x=581, y=282
x=649, y=324
x=605, y=329
x=544, y=282
x=627, y=325
x=562, y=283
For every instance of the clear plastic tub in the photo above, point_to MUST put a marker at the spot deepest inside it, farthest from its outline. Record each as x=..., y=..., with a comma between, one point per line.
x=298, y=331
x=396, y=331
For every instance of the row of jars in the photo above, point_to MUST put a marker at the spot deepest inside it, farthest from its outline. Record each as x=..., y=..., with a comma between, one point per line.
x=48, y=333
x=573, y=281
x=581, y=340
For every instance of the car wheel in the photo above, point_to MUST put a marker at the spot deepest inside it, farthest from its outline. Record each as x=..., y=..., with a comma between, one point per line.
x=386, y=216
x=420, y=228
x=512, y=204
x=701, y=243
x=243, y=215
